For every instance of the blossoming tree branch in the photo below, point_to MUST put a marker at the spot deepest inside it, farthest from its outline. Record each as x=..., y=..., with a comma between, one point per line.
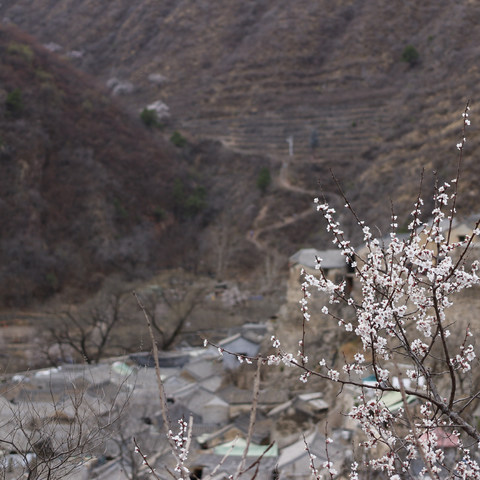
x=400, y=313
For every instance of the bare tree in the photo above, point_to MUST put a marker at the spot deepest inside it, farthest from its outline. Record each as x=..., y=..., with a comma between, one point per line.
x=54, y=438
x=222, y=242
x=88, y=331
x=222, y=236
x=171, y=302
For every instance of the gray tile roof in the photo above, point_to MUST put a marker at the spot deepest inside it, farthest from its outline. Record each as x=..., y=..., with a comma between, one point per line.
x=306, y=257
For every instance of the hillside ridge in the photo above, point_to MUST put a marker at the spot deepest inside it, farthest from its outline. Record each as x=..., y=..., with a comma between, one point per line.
x=240, y=79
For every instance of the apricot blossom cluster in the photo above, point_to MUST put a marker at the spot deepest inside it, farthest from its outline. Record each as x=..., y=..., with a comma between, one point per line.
x=181, y=440
x=400, y=310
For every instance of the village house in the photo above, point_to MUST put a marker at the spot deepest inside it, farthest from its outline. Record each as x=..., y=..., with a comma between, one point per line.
x=197, y=383
x=241, y=344
x=333, y=265
x=294, y=460
x=225, y=458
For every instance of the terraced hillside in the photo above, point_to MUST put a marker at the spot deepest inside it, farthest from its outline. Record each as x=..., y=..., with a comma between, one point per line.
x=251, y=74
x=87, y=192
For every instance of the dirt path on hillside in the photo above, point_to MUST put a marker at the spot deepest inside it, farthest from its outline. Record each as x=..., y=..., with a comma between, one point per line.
x=284, y=183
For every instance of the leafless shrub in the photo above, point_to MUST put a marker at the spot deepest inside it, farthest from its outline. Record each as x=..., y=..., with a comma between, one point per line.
x=57, y=435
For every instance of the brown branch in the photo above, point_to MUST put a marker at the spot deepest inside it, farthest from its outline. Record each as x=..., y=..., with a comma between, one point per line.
x=251, y=425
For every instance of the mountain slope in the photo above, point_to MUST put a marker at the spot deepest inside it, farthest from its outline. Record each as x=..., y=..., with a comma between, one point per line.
x=87, y=191
x=79, y=183
x=250, y=74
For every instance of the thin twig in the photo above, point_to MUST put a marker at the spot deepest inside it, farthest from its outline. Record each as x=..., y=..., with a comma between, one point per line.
x=253, y=414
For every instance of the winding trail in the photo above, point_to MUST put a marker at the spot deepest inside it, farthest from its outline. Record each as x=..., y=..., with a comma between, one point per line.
x=283, y=183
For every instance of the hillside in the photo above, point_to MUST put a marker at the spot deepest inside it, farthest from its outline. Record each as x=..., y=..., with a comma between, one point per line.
x=250, y=74
x=239, y=79
x=79, y=183
x=87, y=191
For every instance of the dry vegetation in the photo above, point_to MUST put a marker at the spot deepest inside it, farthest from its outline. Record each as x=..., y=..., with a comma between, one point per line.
x=87, y=191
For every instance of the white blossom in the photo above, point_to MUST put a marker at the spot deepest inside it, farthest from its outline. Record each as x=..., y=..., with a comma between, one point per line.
x=399, y=314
